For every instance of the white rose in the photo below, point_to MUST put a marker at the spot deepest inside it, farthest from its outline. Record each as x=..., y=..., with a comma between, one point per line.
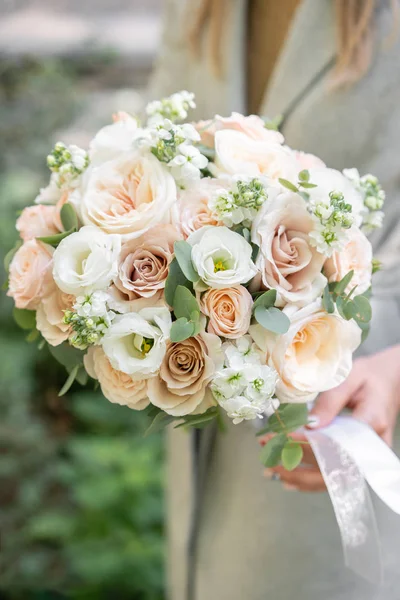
x=315, y=355
x=356, y=256
x=236, y=153
x=113, y=140
x=86, y=261
x=221, y=257
x=329, y=180
x=287, y=262
x=135, y=343
x=128, y=195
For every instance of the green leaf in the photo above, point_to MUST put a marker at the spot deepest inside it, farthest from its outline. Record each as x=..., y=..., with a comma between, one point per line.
x=196, y=420
x=68, y=217
x=341, y=304
x=304, y=175
x=376, y=265
x=183, y=254
x=266, y=300
x=160, y=421
x=273, y=124
x=341, y=285
x=287, y=184
x=327, y=301
x=32, y=336
x=184, y=303
x=26, y=319
x=271, y=453
x=175, y=278
x=365, y=328
x=10, y=255
x=181, y=329
x=288, y=417
x=292, y=455
x=255, y=251
x=272, y=319
x=359, y=309
x=307, y=185
x=54, y=240
x=66, y=355
x=70, y=380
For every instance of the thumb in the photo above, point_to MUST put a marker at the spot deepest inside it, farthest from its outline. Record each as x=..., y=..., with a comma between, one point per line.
x=329, y=404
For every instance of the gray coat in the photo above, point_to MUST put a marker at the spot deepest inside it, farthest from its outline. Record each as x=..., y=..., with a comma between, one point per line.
x=256, y=541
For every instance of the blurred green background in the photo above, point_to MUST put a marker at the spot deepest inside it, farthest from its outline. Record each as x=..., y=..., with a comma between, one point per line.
x=81, y=494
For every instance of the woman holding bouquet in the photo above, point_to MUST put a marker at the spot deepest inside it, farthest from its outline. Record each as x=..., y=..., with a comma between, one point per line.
x=322, y=66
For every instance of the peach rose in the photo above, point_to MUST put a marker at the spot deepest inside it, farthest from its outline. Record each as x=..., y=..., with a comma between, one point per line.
x=356, y=256
x=315, y=355
x=128, y=195
x=193, y=206
x=37, y=221
x=144, y=263
x=50, y=313
x=30, y=272
x=229, y=311
x=287, y=261
x=117, y=387
x=252, y=126
x=236, y=153
x=180, y=387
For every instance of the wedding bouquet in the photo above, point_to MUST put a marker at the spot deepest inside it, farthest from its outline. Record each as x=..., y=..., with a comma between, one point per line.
x=196, y=270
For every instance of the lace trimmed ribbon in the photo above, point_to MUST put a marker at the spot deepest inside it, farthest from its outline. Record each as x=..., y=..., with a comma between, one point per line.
x=351, y=455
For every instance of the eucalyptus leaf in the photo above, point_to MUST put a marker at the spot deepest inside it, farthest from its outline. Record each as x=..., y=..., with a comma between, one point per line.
x=160, y=421
x=184, y=303
x=26, y=319
x=68, y=217
x=196, y=420
x=292, y=455
x=341, y=305
x=307, y=185
x=66, y=355
x=272, y=319
x=54, y=240
x=288, y=184
x=359, y=309
x=175, y=278
x=32, y=336
x=70, y=380
x=183, y=254
x=341, y=285
x=271, y=453
x=287, y=417
x=304, y=175
x=327, y=301
x=181, y=329
x=267, y=299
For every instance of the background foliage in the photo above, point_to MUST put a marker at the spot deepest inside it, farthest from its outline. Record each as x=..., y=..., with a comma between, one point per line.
x=81, y=503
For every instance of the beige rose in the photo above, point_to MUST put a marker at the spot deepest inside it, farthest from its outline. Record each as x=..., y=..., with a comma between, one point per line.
x=286, y=260
x=315, y=355
x=117, y=387
x=252, y=126
x=30, y=273
x=229, y=311
x=50, y=313
x=356, y=256
x=193, y=206
x=37, y=221
x=144, y=263
x=180, y=387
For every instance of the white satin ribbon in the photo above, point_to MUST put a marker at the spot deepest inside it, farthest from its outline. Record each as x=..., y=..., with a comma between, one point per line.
x=350, y=455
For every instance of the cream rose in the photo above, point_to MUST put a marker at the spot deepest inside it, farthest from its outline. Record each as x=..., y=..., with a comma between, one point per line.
x=30, y=273
x=221, y=257
x=193, y=206
x=144, y=263
x=113, y=140
x=128, y=195
x=252, y=126
x=356, y=256
x=287, y=261
x=308, y=161
x=229, y=311
x=135, y=343
x=38, y=221
x=117, y=387
x=50, y=313
x=315, y=355
x=86, y=261
x=180, y=387
x=235, y=153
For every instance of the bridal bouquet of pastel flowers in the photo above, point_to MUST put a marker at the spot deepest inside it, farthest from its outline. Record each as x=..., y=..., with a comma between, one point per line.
x=199, y=270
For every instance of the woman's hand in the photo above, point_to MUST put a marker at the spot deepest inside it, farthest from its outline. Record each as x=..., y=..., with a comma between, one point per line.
x=372, y=392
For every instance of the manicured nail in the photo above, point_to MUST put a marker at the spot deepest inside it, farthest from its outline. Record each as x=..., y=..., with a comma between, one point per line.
x=290, y=488
x=313, y=421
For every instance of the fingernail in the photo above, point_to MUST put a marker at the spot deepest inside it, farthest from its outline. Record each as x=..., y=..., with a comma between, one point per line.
x=290, y=488
x=313, y=421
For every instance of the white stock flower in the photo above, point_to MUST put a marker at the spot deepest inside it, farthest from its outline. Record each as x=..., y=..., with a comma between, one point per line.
x=175, y=107
x=135, y=343
x=240, y=408
x=221, y=257
x=86, y=261
x=92, y=305
x=243, y=352
x=187, y=164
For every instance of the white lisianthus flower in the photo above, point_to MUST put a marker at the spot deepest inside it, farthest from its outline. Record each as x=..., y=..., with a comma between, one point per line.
x=187, y=164
x=86, y=261
x=136, y=342
x=221, y=257
x=315, y=354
